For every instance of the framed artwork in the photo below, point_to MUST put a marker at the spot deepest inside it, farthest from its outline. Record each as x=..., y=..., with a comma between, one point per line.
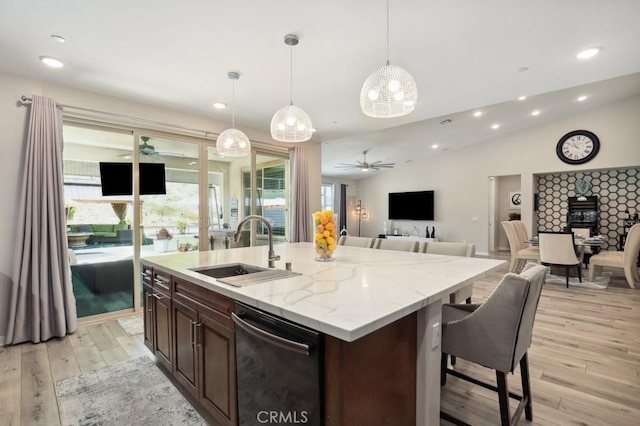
x=515, y=199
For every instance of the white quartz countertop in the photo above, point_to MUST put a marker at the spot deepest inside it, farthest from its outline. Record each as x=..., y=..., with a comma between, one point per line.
x=360, y=292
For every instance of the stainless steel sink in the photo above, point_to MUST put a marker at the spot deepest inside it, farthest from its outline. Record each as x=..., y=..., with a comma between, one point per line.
x=240, y=274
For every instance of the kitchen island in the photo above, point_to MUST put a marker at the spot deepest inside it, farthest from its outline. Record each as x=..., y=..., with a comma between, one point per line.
x=364, y=296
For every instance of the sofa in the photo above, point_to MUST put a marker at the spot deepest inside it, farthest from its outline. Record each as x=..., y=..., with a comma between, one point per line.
x=105, y=233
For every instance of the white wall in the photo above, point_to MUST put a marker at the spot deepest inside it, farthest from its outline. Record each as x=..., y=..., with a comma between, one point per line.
x=13, y=122
x=460, y=177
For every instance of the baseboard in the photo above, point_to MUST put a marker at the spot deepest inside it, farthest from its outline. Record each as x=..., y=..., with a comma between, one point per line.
x=482, y=253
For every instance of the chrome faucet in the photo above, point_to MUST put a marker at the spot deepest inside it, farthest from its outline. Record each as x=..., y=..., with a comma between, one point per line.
x=272, y=254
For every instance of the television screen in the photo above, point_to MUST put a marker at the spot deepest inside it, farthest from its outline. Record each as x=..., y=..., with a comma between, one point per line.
x=116, y=178
x=152, y=179
x=416, y=205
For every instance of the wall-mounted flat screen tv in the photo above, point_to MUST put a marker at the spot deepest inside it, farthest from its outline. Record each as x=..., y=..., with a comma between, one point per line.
x=152, y=179
x=417, y=205
x=117, y=178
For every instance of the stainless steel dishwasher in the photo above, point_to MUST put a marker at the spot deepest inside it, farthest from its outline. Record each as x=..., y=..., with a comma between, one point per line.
x=279, y=370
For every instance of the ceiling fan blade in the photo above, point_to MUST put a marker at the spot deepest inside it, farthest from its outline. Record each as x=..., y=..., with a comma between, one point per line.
x=348, y=166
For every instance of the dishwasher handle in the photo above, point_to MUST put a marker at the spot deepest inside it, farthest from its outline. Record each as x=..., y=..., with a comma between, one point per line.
x=290, y=345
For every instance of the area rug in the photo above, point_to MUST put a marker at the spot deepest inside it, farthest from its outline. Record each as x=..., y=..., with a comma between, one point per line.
x=132, y=393
x=601, y=281
x=132, y=325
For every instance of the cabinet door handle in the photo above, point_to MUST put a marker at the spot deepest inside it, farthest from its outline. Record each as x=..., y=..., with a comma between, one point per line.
x=157, y=280
x=146, y=274
x=192, y=333
x=149, y=303
x=199, y=334
x=157, y=296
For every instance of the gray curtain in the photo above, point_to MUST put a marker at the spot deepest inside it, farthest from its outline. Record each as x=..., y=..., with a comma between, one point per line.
x=300, y=212
x=41, y=305
x=343, y=207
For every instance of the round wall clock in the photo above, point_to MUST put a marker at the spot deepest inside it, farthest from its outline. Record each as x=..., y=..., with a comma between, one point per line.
x=578, y=147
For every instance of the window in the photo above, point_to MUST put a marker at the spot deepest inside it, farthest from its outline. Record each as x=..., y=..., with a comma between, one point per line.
x=271, y=203
x=326, y=195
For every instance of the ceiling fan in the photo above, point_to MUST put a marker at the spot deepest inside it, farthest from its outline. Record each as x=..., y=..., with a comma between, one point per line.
x=364, y=166
x=145, y=148
x=150, y=151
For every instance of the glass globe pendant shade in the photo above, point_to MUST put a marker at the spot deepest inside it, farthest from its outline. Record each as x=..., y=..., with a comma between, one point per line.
x=291, y=124
x=233, y=143
x=390, y=91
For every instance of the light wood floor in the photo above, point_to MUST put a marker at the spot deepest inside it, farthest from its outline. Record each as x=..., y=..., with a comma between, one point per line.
x=584, y=362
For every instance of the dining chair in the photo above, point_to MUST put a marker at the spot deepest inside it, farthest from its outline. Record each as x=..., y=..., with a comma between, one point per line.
x=518, y=238
x=395, y=244
x=558, y=249
x=348, y=240
x=626, y=259
x=497, y=335
x=453, y=249
x=585, y=251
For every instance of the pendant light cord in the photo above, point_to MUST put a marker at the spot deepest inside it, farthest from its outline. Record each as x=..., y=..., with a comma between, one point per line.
x=387, y=32
x=233, y=104
x=291, y=73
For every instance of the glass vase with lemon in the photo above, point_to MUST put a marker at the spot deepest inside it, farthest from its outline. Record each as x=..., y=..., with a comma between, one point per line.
x=325, y=235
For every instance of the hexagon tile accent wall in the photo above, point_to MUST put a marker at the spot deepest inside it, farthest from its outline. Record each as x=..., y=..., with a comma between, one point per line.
x=617, y=190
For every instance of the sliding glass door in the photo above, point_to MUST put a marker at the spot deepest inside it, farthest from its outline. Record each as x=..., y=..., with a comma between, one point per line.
x=183, y=196
x=99, y=228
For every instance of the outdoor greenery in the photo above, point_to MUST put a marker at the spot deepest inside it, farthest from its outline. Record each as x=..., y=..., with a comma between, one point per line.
x=175, y=210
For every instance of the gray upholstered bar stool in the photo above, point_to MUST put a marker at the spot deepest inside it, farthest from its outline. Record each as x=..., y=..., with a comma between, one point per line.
x=397, y=245
x=348, y=240
x=497, y=335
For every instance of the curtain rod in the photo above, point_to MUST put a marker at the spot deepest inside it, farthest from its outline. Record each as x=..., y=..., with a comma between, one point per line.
x=27, y=100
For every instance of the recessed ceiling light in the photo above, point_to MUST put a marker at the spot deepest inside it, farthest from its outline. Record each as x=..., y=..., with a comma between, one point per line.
x=52, y=62
x=434, y=146
x=582, y=98
x=588, y=53
x=58, y=38
x=495, y=126
x=219, y=105
x=535, y=112
x=477, y=113
x=522, y=98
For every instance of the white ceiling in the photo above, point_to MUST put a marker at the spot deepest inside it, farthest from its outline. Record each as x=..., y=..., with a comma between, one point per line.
x=463, y=54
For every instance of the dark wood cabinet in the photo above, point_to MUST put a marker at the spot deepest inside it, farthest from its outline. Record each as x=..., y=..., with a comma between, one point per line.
x=147, y=305
x=158, y=330
x=205, y=362
x=217, y=368
x=185, y=320
x=162, y=331
x=190, y=331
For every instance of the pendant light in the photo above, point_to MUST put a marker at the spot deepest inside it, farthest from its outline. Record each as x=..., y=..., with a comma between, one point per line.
x=390, y=91
x=233, y=142
x=290, y=123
